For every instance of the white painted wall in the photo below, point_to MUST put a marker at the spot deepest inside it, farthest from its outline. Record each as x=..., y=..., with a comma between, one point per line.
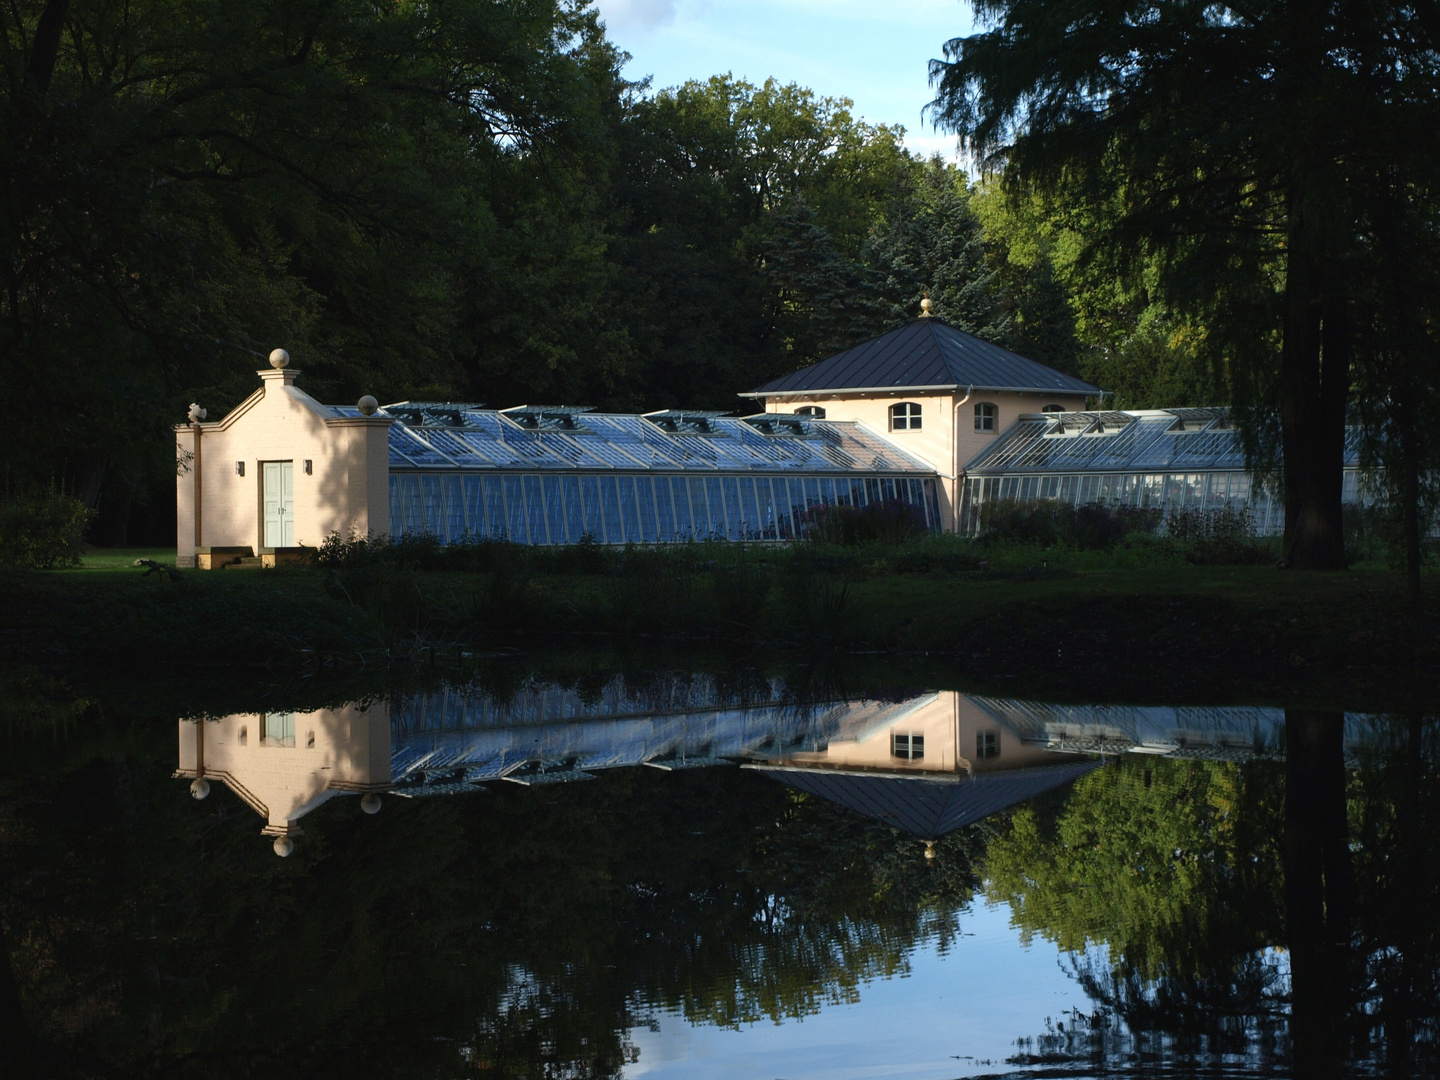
x=943, y=431
x=348, y=489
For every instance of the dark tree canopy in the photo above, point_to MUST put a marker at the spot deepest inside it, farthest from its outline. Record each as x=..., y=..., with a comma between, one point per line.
x=1235, y=151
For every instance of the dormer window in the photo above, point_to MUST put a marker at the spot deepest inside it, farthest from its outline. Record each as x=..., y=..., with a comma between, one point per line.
x=985, y=414
x=905, y=416
x=907, y=746
x=813, y=411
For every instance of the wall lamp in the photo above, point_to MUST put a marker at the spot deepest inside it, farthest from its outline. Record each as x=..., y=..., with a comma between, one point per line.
x=239, y=468
x=309, y=466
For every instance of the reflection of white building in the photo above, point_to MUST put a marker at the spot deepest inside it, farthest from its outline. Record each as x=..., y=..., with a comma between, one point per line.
x=927, y=764
x=284, y=764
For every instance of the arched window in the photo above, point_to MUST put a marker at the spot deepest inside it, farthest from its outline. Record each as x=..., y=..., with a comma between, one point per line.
x=1053, y=408
x=984, y=416
x=811, y=410
x=905, y=416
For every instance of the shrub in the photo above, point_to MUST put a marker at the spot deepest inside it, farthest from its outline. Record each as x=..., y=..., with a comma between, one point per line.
x=42, y=530
x=1221, y=537
x=891, y=521
x=1090, y=527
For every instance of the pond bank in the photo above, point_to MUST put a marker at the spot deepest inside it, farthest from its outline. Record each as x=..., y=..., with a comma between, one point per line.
x=1167, y=633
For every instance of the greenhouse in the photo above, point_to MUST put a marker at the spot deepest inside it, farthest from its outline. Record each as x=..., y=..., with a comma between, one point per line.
x=1168, y=459
x=542, y=475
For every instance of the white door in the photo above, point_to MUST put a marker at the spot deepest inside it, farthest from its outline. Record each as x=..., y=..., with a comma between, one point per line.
x=279, y=501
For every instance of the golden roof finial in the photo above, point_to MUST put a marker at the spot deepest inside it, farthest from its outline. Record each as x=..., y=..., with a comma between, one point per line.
x=925, y=306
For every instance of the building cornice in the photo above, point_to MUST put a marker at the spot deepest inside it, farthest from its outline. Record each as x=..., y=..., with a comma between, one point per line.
x=902, y=390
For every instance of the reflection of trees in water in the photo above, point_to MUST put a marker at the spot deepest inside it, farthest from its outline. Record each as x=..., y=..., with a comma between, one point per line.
x=1210, y=907
x=522, y=930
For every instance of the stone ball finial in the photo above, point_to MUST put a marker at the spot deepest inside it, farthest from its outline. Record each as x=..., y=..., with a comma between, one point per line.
x=925, y=306
x=367, y=405
x=279, y=359
x=199, y=788
x=284, y=846
x=929, y=850
x=370, y=803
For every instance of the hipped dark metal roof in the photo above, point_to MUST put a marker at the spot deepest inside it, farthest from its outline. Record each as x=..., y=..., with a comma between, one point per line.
x=925, y=807
x=926, y=353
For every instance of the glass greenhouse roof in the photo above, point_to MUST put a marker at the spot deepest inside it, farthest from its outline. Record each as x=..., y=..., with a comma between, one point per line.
x=1150, y=441
x=540, y=438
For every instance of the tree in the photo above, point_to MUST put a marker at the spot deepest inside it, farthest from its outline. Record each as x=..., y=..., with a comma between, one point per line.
x=182, y=188
x=1236, y=146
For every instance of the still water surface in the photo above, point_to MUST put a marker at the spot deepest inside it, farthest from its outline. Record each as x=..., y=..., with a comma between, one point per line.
x=676, y=874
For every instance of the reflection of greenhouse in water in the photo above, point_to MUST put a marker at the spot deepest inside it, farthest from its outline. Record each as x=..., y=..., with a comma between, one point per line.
x=927, y=764
x=1170, y=459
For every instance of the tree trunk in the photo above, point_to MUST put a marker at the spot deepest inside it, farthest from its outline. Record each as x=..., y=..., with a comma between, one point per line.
x=1410, y=465
x=1314, y=382
x=1317, y=890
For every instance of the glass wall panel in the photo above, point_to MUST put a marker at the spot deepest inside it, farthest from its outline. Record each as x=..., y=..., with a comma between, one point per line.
x=735, y=528
x=410, y=498
x=397, y=515
x=434, y=523
x=827, y=491
x=515, y=511
x=769, y=511
x=454, y=508
x=700, y=508
x=495, y=522
x=1154, y=489
x=932, y=503
x=857, y=491
x=645, y=504
x=574, y=509
x=812, y=492
x=872, y=490
x=664, y=510
x=755, y=526
x=629, y=511
x=784, y=518
x=1087, y=490
x=716, y=501
x=887, y=489
x=535, y=510
x=680, y=498
x=475, y=506
x=610, y=509
x=590, y=494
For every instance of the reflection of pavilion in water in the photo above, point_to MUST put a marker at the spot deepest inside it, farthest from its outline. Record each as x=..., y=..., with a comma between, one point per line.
x=927, y=764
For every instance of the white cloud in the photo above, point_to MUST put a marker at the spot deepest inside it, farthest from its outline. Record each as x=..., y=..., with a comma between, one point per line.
x=636, y=14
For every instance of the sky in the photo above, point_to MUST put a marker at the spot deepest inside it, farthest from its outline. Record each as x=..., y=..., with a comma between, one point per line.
x=954, y=1014
x=875, y=52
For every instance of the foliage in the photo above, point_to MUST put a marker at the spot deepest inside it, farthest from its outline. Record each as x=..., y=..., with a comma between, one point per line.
x=1172, y=865
x=42, y=529
x=1224, y=536
x=1247, y=161
x=889, y=522
x=1090, y=526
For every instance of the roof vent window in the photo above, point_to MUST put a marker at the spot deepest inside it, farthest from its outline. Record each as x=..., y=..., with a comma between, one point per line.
x=678, y=422
x=548, y=417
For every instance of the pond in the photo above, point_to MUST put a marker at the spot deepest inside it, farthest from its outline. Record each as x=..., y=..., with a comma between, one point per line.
x=583, y=868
